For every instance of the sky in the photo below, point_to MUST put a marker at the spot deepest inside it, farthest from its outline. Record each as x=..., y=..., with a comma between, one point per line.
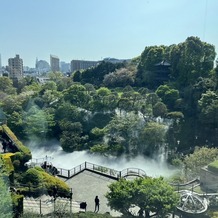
x=96, y=29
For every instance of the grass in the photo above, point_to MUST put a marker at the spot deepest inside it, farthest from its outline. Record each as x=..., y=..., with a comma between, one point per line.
x=213, y=166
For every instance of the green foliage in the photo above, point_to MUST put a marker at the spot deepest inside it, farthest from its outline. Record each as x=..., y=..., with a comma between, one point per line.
x=175, y=115
x=160, y=109
x=189, y=60
x=17, y=203
x=153, y=136
x=32, y=176
x=77, y=95
x=71, y=138
x=6, y=85
x=120, y=78
x=96, y=75
x=67, y=214
x=25, y=152
x=149, y=194
x=213, y=166
x=40, y=181
x=168, y=95
x=102, y=149
x=129, y=134
x=200, y=158
x=37, y=121
x=6, y=209
x=208, y=105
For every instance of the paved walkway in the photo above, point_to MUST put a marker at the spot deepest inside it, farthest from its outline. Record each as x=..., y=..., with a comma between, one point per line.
x=86, y=185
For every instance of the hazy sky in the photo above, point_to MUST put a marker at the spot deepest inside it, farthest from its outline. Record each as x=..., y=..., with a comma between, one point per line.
x=95, y=29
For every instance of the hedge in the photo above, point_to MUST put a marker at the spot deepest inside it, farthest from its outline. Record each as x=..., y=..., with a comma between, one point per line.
x=24, y=153
x=40, y=182
x=213, y=166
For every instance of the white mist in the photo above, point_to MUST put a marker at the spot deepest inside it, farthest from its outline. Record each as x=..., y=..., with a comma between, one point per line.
x=153, y=167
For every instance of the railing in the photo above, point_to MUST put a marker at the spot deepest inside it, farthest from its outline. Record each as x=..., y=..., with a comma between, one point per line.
x=115, y=174
x=133, y=172
x=69, y=173
x=89, y=166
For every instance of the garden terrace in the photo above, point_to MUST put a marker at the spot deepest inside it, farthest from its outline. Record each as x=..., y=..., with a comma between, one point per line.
x=16, y=146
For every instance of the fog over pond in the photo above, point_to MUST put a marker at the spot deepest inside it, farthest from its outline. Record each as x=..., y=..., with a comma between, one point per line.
x=153, y=167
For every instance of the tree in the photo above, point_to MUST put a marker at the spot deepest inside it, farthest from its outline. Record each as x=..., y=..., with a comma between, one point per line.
x=77, y=76
x=152, y=195
x=77, y=95
x=96, y=75
x=168, y=95
x=160, y=109
x=55, y=76
x=71, y=138
x=149, y=57
x=37, y=123
x=192, y=59
x=120, y=78
x=200, y=158
x=6, y=85
x=152, y=137
x=6, y=209
x=208, y=105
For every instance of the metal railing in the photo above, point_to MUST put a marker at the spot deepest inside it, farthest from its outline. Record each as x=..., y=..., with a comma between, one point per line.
x=69, y=173
x=101, y=170
x=133, y=172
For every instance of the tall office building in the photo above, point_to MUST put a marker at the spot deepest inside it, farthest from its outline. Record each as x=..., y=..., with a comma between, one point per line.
x=15, y=67
x=54, y=63
x=82, y=65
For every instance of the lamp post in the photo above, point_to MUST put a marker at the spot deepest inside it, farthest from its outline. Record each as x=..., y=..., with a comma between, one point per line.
x=178, y=142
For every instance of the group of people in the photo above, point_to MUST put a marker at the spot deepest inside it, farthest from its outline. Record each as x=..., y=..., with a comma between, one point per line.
x=49, y=168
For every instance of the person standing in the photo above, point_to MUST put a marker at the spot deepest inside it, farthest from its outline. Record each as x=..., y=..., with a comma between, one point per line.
x=97, y=204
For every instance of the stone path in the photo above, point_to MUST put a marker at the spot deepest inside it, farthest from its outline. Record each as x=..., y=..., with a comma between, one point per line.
x=86, y=185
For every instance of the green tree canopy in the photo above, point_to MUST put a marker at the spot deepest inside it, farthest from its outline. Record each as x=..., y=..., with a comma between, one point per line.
x=6, y=209
x=200, y=158
x=152, y=195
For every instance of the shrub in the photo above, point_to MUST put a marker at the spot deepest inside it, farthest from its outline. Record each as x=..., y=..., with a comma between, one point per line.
x=213, y=166
x=16, y=164
x=33, y=176
x=25, y=152
x=40, y=182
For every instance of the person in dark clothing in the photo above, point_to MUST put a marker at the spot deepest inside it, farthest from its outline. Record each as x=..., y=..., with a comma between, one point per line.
x=96, y=204
x=55, y=191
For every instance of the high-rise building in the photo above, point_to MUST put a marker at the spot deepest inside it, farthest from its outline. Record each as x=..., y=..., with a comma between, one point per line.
x=15, y=67
x=54, y=63
x=65, y=67
x=82, y=65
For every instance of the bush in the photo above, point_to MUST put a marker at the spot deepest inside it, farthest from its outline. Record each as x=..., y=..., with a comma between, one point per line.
x=213, y=166
x=41, y=182
x=16, y=164
x=33, y=176
x=25, y=154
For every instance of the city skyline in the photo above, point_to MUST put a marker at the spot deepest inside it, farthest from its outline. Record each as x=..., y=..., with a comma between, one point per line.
x=93, y=30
